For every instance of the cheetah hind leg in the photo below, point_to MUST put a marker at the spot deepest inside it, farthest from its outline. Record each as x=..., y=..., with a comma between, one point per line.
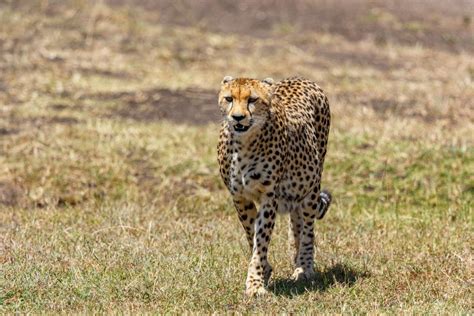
x=325, y=202
x=304, y=259
x=294, y=232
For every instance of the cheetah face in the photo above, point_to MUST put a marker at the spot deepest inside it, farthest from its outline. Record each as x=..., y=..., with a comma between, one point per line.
x=244, y=102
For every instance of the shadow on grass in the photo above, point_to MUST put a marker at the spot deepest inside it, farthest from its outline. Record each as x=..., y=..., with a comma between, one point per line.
x=337, y=274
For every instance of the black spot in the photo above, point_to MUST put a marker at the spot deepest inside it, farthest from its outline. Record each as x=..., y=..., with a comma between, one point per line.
x=255, y=176
x=266, y=182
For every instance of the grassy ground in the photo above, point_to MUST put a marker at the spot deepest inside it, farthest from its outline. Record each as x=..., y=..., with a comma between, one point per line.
x=110, y=198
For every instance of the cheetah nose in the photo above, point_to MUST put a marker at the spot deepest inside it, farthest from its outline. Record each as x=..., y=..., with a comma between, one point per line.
x=238, y=117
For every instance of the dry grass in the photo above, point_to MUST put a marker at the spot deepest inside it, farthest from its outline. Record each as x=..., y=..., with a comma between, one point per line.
x=105, y=210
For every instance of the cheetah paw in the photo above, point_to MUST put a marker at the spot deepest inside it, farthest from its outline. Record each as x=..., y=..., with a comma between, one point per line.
x=256, y=291
x=301, y=274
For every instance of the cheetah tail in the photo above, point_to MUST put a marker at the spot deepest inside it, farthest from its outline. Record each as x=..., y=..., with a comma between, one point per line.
x=324, y=203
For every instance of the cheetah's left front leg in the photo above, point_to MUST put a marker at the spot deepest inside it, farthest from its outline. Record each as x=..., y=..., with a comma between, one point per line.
x=259, y=269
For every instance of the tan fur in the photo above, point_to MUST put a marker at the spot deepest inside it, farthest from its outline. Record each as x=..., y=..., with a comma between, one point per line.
x=271, y=153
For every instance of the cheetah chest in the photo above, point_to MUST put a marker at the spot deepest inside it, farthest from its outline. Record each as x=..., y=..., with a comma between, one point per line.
x=247, y=177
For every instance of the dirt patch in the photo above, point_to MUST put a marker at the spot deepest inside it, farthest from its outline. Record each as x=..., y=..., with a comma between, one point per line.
x=59, y=107
x=190, y=106
x=445, y=25
x=10, y=194
x=8, y=131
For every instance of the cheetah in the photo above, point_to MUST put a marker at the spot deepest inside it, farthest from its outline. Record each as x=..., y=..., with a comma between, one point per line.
x=271, y=150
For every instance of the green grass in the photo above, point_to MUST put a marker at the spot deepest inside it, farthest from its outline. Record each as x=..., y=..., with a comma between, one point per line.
x=99, y=213
x=396, y=237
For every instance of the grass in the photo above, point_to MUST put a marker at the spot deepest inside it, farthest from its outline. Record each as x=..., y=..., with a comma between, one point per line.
x=103, y=213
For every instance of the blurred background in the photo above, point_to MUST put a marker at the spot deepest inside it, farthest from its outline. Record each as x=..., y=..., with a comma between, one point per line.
x=110, y=197
x=118, y=48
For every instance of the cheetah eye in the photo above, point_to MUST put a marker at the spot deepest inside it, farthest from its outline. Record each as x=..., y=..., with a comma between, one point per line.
x=228, y=99
x=252, y=100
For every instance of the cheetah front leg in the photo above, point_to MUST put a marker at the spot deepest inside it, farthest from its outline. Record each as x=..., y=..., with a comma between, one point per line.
x=247, y=215
x=259, y=269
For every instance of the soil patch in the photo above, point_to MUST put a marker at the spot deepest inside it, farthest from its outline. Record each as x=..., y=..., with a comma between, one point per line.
x=10, y=194
x=190, y=106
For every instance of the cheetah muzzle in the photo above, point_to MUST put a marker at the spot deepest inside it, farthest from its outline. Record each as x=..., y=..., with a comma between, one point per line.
x=271, y=151
x=239, y=128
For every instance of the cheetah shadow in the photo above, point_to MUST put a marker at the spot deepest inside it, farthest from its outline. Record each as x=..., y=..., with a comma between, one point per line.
x=323, y=280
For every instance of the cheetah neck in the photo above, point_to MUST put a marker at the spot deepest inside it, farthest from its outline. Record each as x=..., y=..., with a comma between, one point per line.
x=247, y=142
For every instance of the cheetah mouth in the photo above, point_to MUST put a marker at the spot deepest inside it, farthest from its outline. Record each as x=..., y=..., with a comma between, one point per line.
x=241, y=128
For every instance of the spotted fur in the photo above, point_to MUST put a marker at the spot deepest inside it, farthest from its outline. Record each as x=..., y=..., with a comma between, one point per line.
x=271, y=151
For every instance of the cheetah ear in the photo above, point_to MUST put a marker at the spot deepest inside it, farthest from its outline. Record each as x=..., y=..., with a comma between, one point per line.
x=227, y=79
x=268, y=81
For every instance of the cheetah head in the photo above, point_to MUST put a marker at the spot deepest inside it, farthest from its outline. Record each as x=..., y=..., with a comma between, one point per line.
x=245, y=103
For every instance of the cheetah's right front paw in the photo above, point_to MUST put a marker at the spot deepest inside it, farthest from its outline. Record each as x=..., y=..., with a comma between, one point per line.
x=255, y=291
